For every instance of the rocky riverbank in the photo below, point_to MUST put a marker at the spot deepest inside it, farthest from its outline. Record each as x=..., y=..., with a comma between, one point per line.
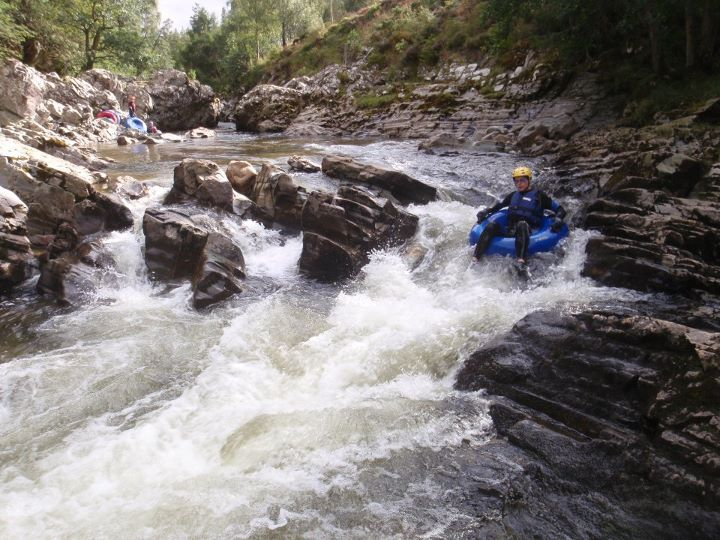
x=54, y=199
x=612, y=416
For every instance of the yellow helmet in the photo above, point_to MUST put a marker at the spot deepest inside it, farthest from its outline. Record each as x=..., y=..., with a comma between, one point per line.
x=522, y=171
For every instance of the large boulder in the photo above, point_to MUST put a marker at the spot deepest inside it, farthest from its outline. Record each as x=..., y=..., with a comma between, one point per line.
x=268, y=108
x=242, y=176
x=180, y=103
x=403, y=187
x=302, y=164
x=174, y=245
x=654, y=242
x=618, y=408
x=341, y=230
x=561, y=126
x=179, y=247
x=15, y=254
x=23, y=91
x=277, y=197
x=69, y=268
x=102, y=212
x=203, y=181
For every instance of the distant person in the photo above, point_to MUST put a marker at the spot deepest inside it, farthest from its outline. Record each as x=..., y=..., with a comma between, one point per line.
x=132, y=107
x=526, y=208
x=152, y=128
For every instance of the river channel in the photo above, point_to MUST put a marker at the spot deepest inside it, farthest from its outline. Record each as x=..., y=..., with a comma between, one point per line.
x=295, y=409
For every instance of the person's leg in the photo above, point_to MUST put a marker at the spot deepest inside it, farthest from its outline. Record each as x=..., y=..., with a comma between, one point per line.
x=492, y=229
x=522, y=240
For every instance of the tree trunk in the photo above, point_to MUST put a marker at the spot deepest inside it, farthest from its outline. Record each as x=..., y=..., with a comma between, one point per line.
x=332, y=11
x=707, y=33
x=689, y=37
x=653, y=35
x=89, y=60
x=257, y=46
x=284, y=34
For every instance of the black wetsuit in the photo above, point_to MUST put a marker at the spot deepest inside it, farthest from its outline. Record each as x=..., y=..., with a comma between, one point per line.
x=525, y=211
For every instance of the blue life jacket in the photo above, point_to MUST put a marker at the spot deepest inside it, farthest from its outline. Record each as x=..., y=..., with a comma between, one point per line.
x=526, y=206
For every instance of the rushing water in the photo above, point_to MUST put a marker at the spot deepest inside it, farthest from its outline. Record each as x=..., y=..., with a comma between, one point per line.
x=295, y=409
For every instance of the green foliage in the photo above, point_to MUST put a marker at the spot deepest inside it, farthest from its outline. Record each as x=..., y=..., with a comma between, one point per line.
x=12, y=34
x=444, y=102
x=70, y=35
x=372, y=101
x=648, y=95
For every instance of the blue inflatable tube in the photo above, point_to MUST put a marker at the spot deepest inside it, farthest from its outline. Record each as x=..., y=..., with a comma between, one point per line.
x=133, y=122
x=542, y=239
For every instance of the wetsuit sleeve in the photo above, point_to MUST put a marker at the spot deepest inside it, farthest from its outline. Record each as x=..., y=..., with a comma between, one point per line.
x=502, y=204
x=548, y=204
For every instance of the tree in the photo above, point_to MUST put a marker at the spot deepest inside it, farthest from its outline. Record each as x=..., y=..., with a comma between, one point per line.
x=11, y=33
x=96, y=19
x=257, y=16
x=295, y=17
x=201, y=53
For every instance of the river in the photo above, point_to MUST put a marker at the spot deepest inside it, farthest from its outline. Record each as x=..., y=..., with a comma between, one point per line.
x=295, y=409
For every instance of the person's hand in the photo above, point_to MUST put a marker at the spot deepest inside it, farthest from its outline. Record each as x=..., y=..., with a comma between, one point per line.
x=557, y=225
x=482, y=216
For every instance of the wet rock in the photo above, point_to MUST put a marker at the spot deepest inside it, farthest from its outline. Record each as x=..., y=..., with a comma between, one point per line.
x=440, y=142
x=131, y=188
x=679, y=174
x=340, y=231
x=277, y=197
x=68, y=269
x=66, y=279
x=403, y=187
x=178, y=248
x=174, y=245
x=102, y=212
x=301, y=164
x=15, y=254
x=203, y=181
x=221, y=274
x=654, y=242
x=241, y=175
x=124, y=140
x=200, y=133
x=633, y=418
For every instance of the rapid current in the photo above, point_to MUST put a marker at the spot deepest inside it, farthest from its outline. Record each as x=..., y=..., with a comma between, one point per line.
x=295, y=409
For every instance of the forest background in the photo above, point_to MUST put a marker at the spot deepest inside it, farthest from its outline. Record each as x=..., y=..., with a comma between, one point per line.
x=663, y=53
